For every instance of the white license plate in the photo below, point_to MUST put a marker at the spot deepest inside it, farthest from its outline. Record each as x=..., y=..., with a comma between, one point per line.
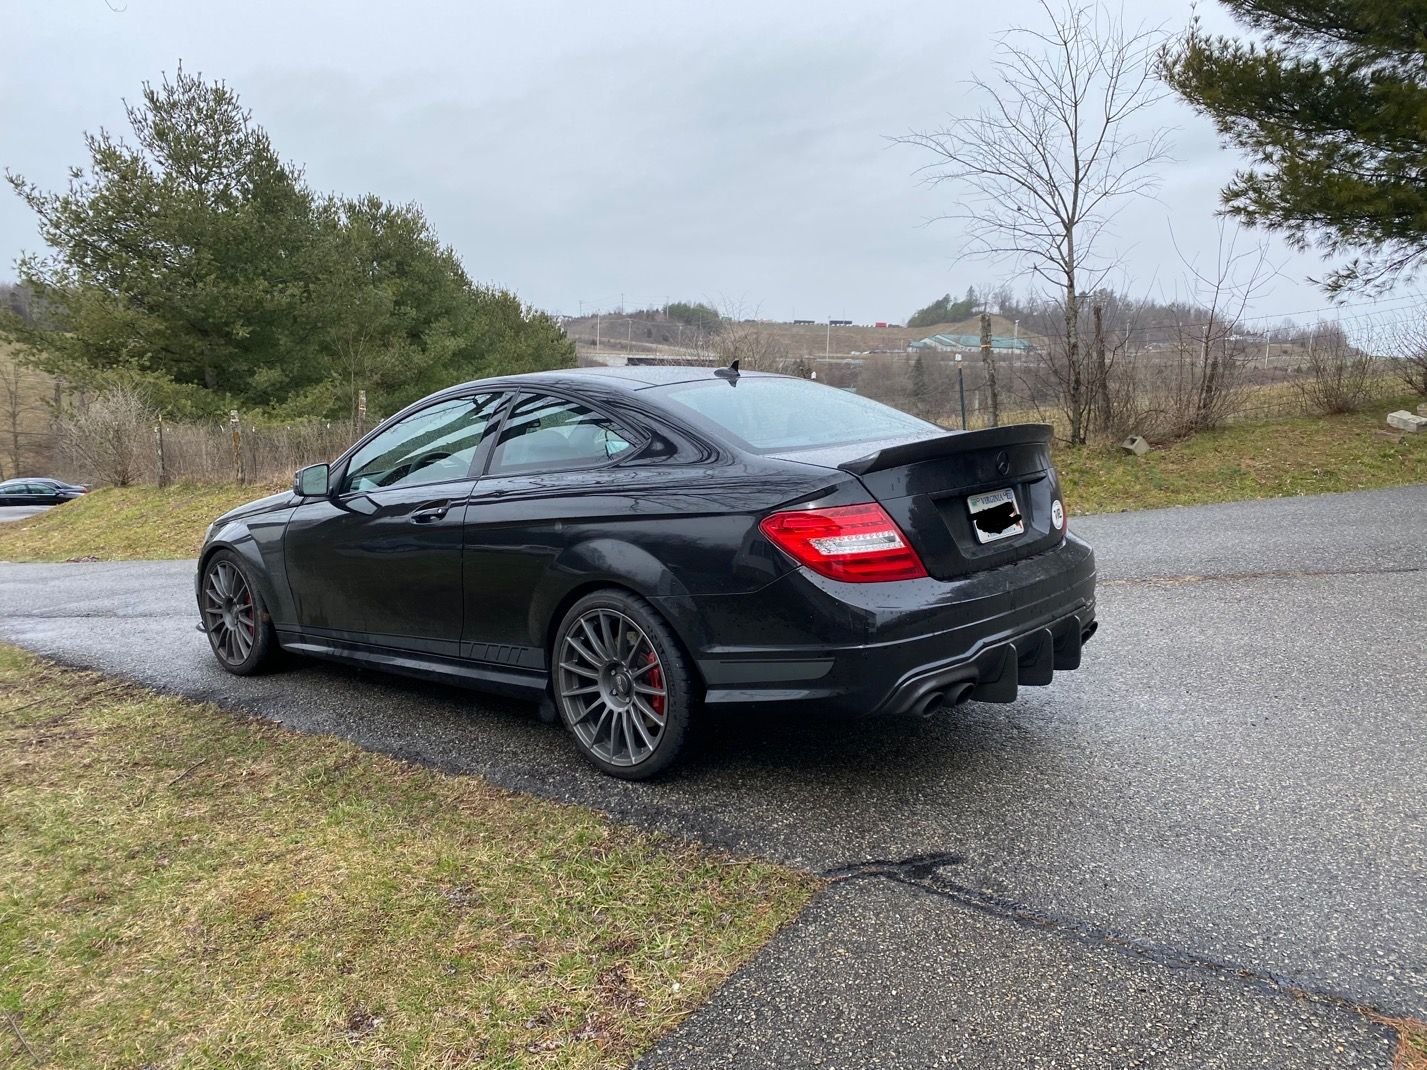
x=990, y=518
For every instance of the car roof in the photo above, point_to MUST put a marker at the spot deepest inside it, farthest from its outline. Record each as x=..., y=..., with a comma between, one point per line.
x=630, y=377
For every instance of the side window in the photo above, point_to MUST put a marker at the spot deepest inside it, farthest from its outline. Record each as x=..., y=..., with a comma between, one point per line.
x=430, y=446
x=544, y=433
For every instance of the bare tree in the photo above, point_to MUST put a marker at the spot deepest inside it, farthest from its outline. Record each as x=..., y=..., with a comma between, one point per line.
x=109, y=438
x=1340, y=375
x=1207, y=385
x=746, y=338
x=1050, y=158
x=1409, y=339
x=15, y=402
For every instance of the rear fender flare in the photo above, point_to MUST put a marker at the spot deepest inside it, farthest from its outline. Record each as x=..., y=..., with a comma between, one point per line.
x=606, y=562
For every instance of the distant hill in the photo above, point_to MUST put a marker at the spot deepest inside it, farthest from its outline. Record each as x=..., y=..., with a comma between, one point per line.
x=642, y=335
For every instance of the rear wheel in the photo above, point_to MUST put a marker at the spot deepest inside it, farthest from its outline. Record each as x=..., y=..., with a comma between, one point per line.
x=234, y=616
x=622, y=684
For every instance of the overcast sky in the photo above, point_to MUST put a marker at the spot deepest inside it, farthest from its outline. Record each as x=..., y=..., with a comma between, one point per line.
x=584, y=153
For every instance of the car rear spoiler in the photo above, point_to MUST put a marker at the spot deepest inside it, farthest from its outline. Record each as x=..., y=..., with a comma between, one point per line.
x=950, y=444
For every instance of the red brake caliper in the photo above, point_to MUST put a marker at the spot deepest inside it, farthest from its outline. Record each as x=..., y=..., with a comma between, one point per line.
x=656, y=680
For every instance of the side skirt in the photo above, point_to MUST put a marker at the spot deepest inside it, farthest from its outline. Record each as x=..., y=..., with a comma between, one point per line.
x=482, y=676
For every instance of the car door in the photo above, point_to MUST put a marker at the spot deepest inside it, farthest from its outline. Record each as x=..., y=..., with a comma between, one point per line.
x=548, y=466
x=378, y=560
x=44, y=494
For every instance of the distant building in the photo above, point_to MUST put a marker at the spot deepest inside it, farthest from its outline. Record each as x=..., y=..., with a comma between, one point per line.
x=967, y=343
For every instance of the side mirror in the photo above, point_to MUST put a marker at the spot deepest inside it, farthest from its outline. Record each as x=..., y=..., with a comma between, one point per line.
x=312, y=481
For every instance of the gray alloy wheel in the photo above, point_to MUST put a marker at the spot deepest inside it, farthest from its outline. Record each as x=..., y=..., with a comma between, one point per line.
x=235, y=618
x=229, y=613
x=612, y=687
x=621, y=684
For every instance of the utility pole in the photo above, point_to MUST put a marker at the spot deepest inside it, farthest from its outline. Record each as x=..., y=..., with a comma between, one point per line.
x=597, y=332
x=827, y=349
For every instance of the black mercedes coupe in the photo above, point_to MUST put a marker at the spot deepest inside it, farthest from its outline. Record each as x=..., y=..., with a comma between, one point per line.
x=637, y=547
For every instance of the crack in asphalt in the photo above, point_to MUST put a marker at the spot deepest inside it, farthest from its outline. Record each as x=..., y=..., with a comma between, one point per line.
x=1267, y=574
x=923, y=873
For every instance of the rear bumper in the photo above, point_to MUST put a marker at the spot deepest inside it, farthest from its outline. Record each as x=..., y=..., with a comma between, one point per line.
x=904, y=647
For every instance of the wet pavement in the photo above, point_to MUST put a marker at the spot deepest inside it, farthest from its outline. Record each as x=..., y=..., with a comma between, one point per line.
x=1206, y=848
x=20, y=512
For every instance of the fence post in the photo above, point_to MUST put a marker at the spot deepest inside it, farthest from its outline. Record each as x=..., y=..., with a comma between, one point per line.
x=961, y=389
x=361, y=413
x=159, y=445
x=989, y=363
x=237, y=446
x=1100, y=389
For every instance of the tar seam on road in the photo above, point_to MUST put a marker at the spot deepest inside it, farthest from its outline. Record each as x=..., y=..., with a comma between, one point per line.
x=1275, y=574
x=922, y=873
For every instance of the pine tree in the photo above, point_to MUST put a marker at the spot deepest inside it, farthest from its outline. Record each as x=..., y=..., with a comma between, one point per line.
x=1329, y=103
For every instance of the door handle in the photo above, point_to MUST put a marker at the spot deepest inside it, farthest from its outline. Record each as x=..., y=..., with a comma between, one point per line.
x=430, y=512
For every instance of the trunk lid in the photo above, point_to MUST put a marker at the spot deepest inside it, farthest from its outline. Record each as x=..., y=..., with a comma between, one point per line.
x=943, y=490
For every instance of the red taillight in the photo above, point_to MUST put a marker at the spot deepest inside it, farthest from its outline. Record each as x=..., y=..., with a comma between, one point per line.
x=856, y=543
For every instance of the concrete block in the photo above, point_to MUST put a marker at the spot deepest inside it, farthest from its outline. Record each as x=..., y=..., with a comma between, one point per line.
x=1422, y=409
x=1136, y=445
x=1406, y=421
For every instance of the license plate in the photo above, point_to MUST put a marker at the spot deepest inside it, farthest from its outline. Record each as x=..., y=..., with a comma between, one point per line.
x=995, y=515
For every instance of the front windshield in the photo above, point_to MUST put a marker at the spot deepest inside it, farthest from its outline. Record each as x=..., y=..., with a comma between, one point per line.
x=780, y=413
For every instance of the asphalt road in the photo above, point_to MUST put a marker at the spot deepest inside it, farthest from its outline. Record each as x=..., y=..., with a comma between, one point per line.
x=19, y=512
x=1206, y=848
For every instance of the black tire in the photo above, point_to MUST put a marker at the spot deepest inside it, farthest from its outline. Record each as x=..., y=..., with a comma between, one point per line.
x=235, y=617
x=624, y=691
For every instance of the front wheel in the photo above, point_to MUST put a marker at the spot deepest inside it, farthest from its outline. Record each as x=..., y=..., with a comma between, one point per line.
x=234, y=616
x=622, y=684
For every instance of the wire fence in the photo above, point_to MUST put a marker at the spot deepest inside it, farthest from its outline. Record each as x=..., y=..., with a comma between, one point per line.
x=1150, y=390
x=108, y=451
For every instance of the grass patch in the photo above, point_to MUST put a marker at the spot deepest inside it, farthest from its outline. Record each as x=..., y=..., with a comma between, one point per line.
x=124, y=523
x=182, y=887
x=1303, y=455
x=1412, y=1052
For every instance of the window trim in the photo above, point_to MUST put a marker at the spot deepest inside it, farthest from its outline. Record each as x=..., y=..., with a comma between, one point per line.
x=343, y=464
x=637, y=436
